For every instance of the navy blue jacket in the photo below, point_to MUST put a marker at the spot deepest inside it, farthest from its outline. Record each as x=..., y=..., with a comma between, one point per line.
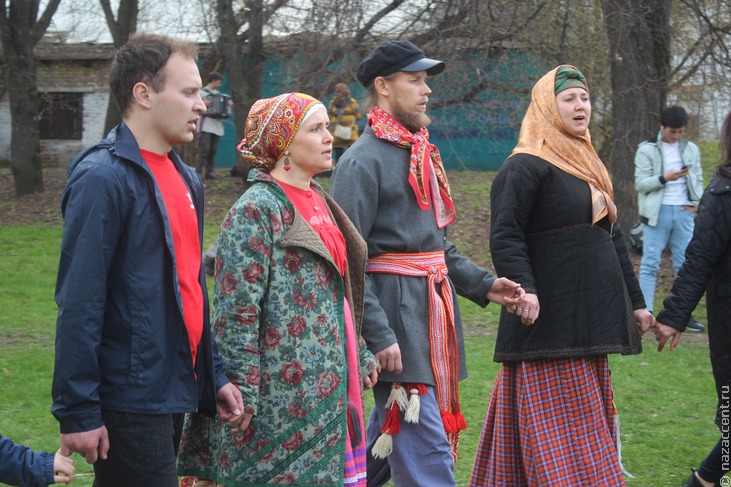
x=121, y=342
x=20, y=466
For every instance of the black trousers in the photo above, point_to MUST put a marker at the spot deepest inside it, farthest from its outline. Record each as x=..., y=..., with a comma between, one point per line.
x=207, y=148
x=142, y=450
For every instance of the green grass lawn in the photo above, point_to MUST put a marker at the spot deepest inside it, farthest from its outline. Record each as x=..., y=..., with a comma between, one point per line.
x=666, y=401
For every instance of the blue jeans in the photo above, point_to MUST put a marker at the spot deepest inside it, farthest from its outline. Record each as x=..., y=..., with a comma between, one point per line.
x=421, y=454
x=674, y=227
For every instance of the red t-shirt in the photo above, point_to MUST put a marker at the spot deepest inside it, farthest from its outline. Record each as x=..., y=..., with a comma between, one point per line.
x=310, y=205
x=184, y=227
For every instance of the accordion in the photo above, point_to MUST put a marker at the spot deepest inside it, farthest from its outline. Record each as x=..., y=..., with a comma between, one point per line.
x=220, y=106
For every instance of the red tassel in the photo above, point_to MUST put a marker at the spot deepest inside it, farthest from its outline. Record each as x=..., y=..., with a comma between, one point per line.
x=449, y=423
x=392, y=425
x=460, y=422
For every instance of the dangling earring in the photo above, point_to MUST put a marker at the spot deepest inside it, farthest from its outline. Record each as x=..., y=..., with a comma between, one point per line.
x=286, y=163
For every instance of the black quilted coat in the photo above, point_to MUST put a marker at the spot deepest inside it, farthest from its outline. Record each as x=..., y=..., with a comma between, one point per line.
x=707, y=268
x=542, y=237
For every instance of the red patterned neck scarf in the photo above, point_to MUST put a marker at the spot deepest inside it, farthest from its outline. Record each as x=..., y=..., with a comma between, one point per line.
x=426, y=171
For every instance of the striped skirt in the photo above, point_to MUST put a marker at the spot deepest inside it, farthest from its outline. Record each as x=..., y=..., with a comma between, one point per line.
x=550, y=423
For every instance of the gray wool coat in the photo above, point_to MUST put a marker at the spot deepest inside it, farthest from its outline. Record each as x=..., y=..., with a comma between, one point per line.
x=370, y=183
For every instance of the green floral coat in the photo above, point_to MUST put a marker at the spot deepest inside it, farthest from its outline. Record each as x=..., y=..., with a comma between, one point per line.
x=278, y=317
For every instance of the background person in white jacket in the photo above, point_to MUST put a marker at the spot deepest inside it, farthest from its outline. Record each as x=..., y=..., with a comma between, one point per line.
x=669, y=183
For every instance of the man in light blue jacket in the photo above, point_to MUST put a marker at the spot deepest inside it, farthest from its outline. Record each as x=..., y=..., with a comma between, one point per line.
x=669, y=183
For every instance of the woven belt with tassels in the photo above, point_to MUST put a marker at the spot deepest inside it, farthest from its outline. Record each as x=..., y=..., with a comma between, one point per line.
x=443, y=344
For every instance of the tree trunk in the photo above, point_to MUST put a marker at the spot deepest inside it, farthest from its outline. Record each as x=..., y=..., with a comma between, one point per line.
x=245, y=80
x=254, y=69
x=25, y=147
x=121, y=29
x=638, y=33
x=20, y=30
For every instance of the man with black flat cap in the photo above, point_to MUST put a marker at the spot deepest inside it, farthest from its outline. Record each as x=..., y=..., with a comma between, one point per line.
x=392, y=184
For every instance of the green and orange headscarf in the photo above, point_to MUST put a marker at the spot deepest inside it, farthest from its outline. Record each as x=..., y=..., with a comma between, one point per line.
x=544, y=135
x=271, y=126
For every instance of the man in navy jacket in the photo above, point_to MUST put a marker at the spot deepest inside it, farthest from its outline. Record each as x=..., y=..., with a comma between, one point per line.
x=134, y=350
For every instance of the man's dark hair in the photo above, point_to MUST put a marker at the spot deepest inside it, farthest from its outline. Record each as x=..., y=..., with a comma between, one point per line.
x=674, y=117
x=143, y=59
x=214, y=76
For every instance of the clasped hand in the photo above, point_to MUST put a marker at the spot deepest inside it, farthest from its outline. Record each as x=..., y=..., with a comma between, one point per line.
x=663, y=333
x=507, y=293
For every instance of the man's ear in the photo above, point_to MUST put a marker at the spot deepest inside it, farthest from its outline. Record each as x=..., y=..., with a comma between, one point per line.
x=141, y=94
x=381, y=85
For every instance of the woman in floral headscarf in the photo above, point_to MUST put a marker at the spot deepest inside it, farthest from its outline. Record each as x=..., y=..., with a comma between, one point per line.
x=288, y=302
x=551, y=419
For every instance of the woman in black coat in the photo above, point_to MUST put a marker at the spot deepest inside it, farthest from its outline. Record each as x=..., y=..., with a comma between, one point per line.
x=707, y=268
x=551, y=418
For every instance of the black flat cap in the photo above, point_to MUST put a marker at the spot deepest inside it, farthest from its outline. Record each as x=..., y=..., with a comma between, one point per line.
x=392, y=56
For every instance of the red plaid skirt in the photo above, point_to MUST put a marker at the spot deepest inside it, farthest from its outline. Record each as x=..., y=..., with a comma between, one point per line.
x=550, y=423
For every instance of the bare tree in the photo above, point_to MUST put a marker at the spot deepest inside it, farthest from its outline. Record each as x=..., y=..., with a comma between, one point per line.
x=637, y=54
x=638, y=32
x=245, y=77
x=496, y=50
x=240, y=46
x=20, y=30
x=701, y=63
x=121, y=28
x=658, y=49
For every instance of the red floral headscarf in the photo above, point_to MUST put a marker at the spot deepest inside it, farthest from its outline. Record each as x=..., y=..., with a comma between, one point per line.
x=271, y=126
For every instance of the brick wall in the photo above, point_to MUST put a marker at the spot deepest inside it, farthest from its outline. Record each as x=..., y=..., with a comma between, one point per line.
x=86, y=76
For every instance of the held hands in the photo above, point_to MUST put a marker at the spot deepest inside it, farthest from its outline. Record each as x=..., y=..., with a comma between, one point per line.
x=63, y=468
x=390, y=359
x=240, y=422
x=528, y=309
x=231, y=408
x=229, y=402
x=370, y=380
x=663, y=333
x=506, y=293
x=644, y=320
x=91, y=445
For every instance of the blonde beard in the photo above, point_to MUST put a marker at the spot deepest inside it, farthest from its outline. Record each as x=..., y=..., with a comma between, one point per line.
x=412, y=121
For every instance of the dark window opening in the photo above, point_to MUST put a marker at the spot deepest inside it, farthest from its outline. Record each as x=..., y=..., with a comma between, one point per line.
x=61, y=115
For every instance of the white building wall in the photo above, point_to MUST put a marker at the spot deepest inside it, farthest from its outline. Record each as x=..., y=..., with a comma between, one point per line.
x=82, y=68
